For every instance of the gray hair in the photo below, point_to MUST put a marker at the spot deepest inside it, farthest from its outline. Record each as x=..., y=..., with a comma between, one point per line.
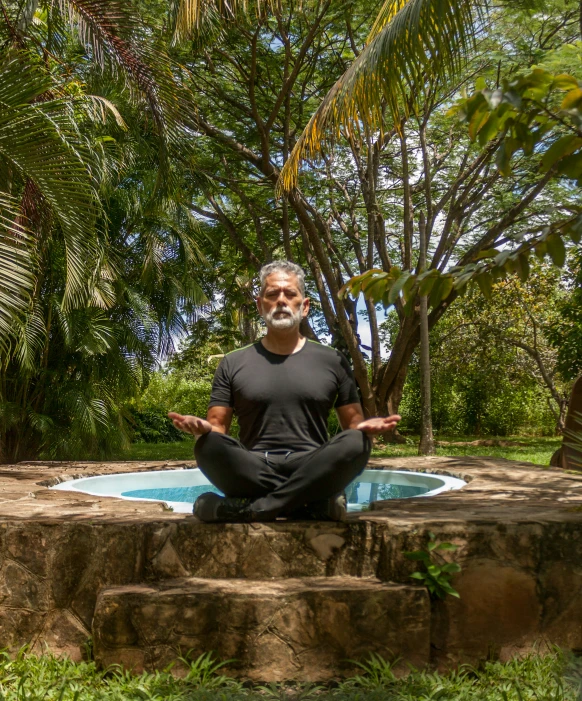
x=285, y=266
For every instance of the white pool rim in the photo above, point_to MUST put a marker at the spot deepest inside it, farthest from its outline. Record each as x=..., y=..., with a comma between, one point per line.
x=114, y=485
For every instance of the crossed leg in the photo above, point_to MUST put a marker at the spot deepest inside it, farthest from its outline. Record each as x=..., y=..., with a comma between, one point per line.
x=279, y=489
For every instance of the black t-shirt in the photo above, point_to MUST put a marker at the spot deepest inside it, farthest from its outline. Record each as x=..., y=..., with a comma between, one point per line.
x=283, y=401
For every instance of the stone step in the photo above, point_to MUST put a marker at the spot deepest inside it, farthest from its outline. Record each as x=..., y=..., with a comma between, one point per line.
x=308, y=629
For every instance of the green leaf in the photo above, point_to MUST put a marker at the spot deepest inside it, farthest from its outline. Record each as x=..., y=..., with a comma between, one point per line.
x=447, y=546
x=522, y=266
x=478, y=120
x=487, y=253
x=375, y=288
x=557, y=250
x=503, y=159
x=451, y=567
x=394, y=292
x=501, y=258
x=541, y=249
x=489, y=130
x=572, y=99
x=408, y=287
x=575, y=229
x=564, y=146
x=416, y=555
x=565, y=82
x=485, y=283
x=571, y=166
x=418, y=575
x=427, y=281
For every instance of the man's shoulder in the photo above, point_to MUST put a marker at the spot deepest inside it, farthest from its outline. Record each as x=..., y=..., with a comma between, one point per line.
x=232, y=353
x=327, y=353
x=238, y=355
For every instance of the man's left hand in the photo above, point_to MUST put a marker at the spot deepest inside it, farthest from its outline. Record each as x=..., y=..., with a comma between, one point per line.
x=378, y=424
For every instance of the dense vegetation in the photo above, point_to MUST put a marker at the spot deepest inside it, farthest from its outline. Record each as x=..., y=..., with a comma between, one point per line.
x=140, y=153
x=536, y=678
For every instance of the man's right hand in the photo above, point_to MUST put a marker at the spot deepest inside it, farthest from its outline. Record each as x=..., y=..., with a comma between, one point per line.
x=190, y=424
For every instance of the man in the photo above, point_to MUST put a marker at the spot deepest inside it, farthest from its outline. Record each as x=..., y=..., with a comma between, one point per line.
x=282, y=389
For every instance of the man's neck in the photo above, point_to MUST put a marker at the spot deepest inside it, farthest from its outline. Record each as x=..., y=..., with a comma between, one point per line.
x=283, y=341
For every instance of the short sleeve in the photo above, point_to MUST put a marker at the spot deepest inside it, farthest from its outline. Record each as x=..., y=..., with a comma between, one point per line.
x=221, y=394
x=347, y=390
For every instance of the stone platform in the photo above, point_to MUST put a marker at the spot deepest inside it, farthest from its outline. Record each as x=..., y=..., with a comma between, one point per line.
x=518, y=529
x=305, y=629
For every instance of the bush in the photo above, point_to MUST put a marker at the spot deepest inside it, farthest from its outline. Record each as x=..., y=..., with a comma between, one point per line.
x=167, y=391
x=152, y=426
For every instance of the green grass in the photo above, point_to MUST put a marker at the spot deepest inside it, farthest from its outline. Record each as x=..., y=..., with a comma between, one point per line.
x=182, y=450
x=536, y=450
x=554, y=677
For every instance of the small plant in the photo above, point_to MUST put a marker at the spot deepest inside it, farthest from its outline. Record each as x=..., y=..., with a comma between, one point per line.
x=436, y=577
x=377, y=673
x=203, y=673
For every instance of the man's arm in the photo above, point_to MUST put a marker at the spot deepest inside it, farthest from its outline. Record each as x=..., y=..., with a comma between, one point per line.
x=352, y=416
x=218, y=419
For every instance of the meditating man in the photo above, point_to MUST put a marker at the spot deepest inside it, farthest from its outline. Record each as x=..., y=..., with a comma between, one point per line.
x=281, y=389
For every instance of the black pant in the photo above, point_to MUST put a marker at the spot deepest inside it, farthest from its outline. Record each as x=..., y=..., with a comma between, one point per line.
x=280, y=481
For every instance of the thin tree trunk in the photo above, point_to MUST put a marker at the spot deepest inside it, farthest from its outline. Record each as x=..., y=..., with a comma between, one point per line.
x=426, y=445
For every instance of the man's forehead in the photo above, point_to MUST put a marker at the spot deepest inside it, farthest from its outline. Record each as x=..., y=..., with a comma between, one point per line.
x=281, y=279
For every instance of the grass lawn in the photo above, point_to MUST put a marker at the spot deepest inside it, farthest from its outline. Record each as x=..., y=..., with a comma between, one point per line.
x=536, y=450
x=554, y=677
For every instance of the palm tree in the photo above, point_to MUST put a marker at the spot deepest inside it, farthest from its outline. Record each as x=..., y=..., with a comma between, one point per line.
x=97, y=252
x=49, y=171
x=410, y=41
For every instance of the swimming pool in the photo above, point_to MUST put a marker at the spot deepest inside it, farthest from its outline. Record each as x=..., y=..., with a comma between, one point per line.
x=179, y=488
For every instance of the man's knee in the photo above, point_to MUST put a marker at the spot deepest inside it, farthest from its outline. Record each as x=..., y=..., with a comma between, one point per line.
x=209, y=443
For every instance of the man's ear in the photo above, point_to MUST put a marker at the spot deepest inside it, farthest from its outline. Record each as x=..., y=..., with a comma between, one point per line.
x=259, y=305
x=305, y=307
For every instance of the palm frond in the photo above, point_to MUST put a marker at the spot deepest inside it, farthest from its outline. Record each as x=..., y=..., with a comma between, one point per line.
x=192, y=14
x=16, y=278
x=42, y=144
x=410, y=42
x=113, y=31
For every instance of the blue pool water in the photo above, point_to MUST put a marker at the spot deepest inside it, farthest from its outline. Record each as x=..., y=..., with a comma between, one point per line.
x=357, y=492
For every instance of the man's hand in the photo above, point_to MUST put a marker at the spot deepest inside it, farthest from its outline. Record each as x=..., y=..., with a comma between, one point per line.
x=190, y=424
x=378, y=424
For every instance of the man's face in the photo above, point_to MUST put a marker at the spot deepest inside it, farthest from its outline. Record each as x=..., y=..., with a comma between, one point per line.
x=282, y=305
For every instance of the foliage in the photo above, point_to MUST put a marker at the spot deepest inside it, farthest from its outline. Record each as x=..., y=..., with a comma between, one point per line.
x=494, y=365
x=436, y=576
x=552, y=677
x=152, y=426
x=167, y=391
x=528, y=114
x=522, y=448
x=111, y=250
x=203, y=673
x=361, y=206
x=565, y=333
x=409, y=39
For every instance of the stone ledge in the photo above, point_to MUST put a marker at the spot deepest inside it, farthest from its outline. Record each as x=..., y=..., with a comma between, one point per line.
x=295, y=629
x=518, y=528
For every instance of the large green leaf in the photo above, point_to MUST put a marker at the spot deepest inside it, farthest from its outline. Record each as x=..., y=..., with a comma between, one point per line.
x=16, y=279
x=42, y=144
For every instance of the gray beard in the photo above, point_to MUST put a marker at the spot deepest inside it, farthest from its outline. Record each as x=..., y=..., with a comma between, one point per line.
x=288, y=321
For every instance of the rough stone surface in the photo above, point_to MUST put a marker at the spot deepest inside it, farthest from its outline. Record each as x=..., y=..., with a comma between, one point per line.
x=304, y=629
x=518, y=528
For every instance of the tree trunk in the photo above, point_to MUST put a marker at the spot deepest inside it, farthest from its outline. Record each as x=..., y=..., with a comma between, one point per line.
x=426, y=445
